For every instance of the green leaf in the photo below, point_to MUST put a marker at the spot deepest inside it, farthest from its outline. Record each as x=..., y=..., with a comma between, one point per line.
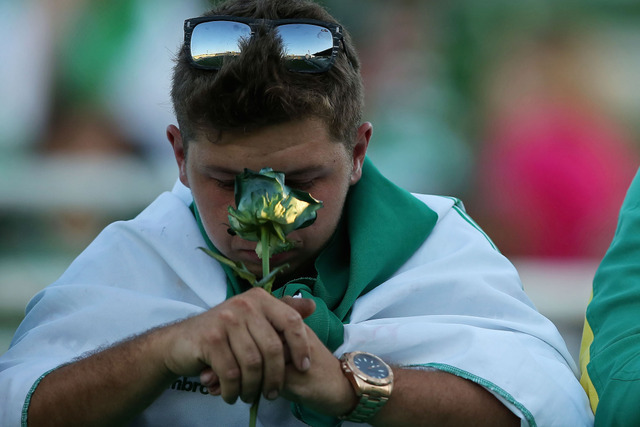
x=267, y=281
x=239, y=268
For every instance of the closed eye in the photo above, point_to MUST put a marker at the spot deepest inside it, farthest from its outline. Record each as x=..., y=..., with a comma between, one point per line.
x=225, y=184
x=300, y=185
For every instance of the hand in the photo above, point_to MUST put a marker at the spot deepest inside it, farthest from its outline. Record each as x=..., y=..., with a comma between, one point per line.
x=323, y=387
x=239, y=345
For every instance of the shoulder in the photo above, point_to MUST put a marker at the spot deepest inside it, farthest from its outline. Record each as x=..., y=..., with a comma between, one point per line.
x=453, y=217
x=167, y=217
x=458, y=257
x=163, y=223
x=144, y=252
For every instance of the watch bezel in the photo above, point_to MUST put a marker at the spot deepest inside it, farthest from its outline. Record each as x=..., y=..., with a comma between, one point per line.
x=349, y=358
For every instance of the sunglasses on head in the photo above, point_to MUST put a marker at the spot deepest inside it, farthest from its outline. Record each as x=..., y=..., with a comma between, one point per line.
x=308, y=46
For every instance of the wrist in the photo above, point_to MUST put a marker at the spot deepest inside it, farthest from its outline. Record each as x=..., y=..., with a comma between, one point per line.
x=350, y=398
x=372, y=381
x=160, y=346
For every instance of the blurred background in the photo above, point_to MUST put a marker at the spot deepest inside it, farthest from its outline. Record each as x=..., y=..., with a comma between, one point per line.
x=527, y=111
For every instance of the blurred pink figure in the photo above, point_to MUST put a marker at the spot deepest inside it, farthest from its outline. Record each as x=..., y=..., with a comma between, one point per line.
x=552, y=178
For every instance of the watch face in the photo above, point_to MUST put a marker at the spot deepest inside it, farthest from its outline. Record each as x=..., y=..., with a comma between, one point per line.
x=371, y=365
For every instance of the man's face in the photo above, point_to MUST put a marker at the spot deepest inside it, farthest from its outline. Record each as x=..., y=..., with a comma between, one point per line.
x=311, y=162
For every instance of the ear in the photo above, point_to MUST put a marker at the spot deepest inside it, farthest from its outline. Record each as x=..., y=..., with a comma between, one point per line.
x=360, y=150
x=175, y=138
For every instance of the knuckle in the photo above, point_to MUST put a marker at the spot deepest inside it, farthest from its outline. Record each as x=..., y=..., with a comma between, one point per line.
x=216, y=337
x=256, y=292
x=230, y=375
x=293, y=318
x=228, y=317
x=241, y=304
x=273, y=347
x=253, y=361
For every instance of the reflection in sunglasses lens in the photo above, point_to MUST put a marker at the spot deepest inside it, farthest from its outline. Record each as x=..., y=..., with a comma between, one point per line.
x=306, y=47
x=212, y=41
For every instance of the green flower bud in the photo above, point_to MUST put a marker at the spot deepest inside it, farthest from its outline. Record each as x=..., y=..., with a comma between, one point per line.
x=264, y=202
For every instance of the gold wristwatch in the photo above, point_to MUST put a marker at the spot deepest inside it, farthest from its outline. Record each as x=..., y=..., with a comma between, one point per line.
x=372, y=380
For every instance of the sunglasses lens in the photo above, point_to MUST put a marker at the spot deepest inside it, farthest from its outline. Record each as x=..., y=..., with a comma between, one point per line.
x=212, y=41
x=307, y=47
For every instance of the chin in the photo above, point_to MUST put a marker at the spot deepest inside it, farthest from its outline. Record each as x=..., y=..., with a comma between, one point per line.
x=296, y=271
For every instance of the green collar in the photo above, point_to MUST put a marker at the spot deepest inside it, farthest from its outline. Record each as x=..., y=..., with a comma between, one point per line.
x=386, y=225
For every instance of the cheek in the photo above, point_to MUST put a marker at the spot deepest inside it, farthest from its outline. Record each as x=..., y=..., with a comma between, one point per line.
x=333, y=198
x=214, y=215
x=327, y=219
x=217, y=231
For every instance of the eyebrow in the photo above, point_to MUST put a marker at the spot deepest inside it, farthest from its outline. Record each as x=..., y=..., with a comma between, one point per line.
x=306, y=171
x=221, y=169
x=293, y=173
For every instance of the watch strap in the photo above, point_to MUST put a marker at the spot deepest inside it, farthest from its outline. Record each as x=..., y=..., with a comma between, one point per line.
x=368, y=405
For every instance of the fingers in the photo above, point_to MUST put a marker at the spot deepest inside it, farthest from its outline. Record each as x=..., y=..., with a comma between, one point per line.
x=273, y=359
x=290, y=324
x=246, y=342
x=220, y=356
x=304, y=306
x=278, y=335
x=259, y=353
x=209, y=379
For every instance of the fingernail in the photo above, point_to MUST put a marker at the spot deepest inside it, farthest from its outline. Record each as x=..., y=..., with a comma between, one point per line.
x=273, y=395
x=306, y=364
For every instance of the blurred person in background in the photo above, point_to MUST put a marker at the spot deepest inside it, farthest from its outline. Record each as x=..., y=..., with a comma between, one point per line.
x=72, y=109
x=96, y=107
x=553, y=170
x=141, y=313
x=547, y=101
x=26, y=40
x=69, y=75
x=410, y=99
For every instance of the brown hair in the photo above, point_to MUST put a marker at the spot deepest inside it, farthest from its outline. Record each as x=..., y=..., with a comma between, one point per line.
x=254, y=89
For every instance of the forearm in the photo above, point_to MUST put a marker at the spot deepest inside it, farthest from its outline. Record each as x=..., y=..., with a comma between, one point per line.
x=419, y=397
x=106, y=388
x=441, y=399
x=112, y=386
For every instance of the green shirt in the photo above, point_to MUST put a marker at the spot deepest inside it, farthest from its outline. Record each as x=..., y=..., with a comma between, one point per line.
x=610, y=354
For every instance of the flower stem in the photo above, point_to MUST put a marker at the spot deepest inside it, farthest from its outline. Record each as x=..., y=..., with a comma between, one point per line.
x=253, y=413
x=266, y=253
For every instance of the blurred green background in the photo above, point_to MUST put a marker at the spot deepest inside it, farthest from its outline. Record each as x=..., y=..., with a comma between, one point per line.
x=527, y=111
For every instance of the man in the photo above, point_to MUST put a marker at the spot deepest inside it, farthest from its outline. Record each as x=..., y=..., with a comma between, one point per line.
x=145, y=328
x=609, y=357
